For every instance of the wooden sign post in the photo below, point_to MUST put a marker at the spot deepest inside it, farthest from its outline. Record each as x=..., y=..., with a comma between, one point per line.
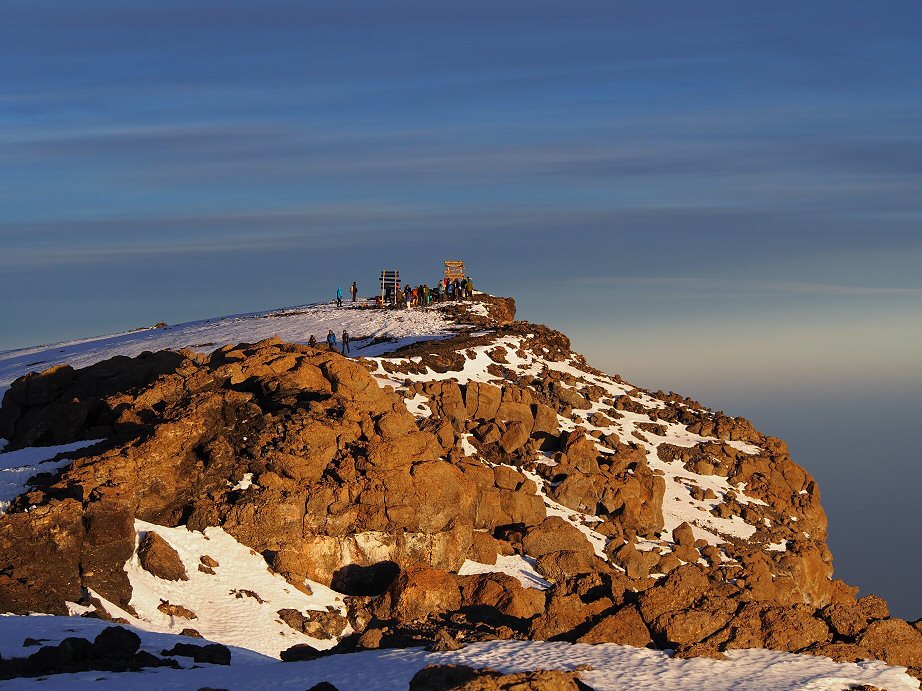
x=390, y=284
x=454, y=269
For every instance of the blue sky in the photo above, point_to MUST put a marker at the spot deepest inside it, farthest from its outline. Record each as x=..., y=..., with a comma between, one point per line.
x=720, y=198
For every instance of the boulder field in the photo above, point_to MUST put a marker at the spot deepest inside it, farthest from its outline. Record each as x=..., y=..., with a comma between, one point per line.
x=644, y=518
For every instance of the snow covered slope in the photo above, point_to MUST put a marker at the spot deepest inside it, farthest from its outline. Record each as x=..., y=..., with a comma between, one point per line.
x=236, y=602
x=611, y=667
x=295, y=324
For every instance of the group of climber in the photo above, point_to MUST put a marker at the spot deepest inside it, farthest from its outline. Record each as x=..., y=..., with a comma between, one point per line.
x=331, y=341
x=444, y=289
x=423, y=295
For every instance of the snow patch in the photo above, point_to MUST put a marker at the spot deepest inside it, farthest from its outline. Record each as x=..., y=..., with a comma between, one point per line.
x=245, y=482
x=419, y=406
x=238, y=605
x=521, y=567
x=18, y=467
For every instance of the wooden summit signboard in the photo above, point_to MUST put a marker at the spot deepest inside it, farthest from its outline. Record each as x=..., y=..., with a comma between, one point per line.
x=390, y=284
x=454, y=269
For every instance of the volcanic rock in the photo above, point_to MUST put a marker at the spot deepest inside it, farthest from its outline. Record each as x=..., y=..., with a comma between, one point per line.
x=625, y=626
x=160, y=559
x=419, y=592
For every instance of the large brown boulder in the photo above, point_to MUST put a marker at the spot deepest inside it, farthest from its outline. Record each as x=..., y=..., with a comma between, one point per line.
x=514, y=411
x=419, y=592
x=678, y=591
x=565, y=563
x=581, y=454
x=408, y=449
x=634, y=498
x=687, y=626
x=566, y=614
x=515, y=436
x=554, y=534
x=160, y=559
x=353, y=381
x=447, y=401
x=496, y=507
x=482, y=400
x=625, y=627
x=546, y=421
x=894, y=641
x=321, y=557
x=503, y=593
x=793, y=628
x=40, y=554
x=395, y=424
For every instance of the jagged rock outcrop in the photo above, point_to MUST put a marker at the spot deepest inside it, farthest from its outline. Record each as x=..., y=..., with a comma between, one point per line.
x=653, y=521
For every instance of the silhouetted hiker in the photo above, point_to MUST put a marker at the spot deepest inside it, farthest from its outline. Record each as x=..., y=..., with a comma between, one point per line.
x=355, y=290
x=345, y=342
x=312, y=342
x=339, y=296
x=331, y=340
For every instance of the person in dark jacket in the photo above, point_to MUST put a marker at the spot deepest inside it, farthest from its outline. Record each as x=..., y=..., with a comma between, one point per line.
x=331, y=340
x=355, y=290
x=345, y=342
x=312, y=342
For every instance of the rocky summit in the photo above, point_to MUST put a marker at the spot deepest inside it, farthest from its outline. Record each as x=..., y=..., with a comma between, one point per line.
x=487, y=483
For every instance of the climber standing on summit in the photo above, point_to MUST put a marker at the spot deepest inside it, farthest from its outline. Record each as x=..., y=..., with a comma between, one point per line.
x=339, y=296
x=331, y=340
x=355, y=290
x=345, y=342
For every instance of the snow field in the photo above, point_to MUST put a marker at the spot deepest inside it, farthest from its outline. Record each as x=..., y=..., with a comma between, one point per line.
x=295, y=324
x=608, y=667
x=238, y=605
